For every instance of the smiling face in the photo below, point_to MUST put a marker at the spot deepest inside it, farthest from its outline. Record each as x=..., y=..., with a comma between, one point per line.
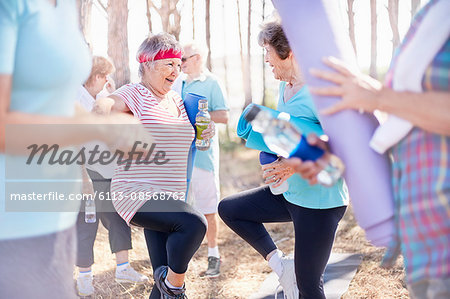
x=280, y=67
x=161, y=74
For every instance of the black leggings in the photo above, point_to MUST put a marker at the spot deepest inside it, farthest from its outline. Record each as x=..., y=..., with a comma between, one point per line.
x=246, y=212
x=172, y=237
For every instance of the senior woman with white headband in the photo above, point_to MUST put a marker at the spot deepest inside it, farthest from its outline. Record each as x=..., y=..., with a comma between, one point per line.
x=151, y=195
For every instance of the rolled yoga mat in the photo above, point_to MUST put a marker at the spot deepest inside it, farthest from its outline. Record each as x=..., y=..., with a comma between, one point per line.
x=314, y=31
x=191, y=105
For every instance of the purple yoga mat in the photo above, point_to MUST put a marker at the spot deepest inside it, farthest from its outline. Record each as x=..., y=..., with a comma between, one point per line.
x=314, y=30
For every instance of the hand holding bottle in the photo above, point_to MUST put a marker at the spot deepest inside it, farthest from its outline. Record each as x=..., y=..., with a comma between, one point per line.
x=210, y=131
x=286, y=140
x=310, y=169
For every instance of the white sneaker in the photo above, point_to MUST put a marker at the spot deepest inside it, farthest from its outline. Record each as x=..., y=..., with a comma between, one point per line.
x=129, y=275
x=84, y=285
x=287, y=280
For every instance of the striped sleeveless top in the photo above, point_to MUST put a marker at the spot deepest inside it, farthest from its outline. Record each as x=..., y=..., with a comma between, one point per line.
x=172, y=135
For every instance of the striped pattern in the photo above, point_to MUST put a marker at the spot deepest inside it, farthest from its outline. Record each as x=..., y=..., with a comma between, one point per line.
x=172, y=134
x=421, y=179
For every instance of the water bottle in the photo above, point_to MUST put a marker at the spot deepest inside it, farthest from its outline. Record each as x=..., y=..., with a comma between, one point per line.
x=266, y=158
x=89, y=211
x=202, y=121
x=286, y=140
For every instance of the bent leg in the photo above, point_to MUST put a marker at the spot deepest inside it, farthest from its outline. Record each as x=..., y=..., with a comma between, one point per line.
x=246, y=212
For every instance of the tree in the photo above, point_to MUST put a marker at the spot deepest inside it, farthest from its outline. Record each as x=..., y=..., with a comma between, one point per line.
x=248, y=85
x=193, y=19
x=245, y=66
x=170, y=16
x=84, y=14
x=149, y=16
x=208, y=33
x=118, y=40
x=225, y=67
x=263, y=59
x=351, y=23
x=373, y=38
x=393, y=20
x=415, y=4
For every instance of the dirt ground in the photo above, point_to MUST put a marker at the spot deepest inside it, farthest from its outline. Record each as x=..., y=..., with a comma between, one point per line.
x=243, y=270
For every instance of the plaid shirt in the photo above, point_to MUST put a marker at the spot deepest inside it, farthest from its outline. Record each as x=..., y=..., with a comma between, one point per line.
x=421, y=180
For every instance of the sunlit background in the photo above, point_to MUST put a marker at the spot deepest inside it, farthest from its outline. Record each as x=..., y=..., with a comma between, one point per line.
x=225, y=46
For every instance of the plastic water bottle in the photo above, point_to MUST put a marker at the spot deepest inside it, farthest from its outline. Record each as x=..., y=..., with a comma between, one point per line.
x=266, y=158
x=286, y=140
x=202, y=121
x=89, y=211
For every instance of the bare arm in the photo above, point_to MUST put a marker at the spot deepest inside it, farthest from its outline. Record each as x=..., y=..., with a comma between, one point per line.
x=429, y=110
x=119, y=104
x=220, y=116
x=54, y=134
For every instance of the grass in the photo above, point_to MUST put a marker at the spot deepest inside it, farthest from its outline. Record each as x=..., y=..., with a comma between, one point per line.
x=243, y=270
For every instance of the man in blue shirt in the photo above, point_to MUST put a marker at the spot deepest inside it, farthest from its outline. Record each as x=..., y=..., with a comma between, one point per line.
x=205, y=177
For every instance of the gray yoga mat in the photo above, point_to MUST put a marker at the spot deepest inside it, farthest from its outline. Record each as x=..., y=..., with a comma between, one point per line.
x=341, y=269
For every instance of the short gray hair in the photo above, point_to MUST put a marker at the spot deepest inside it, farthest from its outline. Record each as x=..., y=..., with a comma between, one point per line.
x=272, y=34
x=154, y=44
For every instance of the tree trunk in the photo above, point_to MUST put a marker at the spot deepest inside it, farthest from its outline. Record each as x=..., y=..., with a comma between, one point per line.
x=149, y=17
x=415, y=4
x=351, y=23
x=208, y=33
x=118, y=40
x=393, y=20
x=170, y=17
x=225, y=67
x=193, y=19
x=373, y=38
x=248, y=81
x=263, y=59
x=84, y=13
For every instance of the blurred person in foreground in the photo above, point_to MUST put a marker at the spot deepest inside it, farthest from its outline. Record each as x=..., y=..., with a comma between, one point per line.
x=205, y=183
x=43, y=61
x=97, y=182
x=173, y=229
x=314, y=210
x=421, y=159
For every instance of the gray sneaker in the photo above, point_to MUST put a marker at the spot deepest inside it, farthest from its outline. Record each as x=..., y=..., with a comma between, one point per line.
x=167, y=293
x=213, y=267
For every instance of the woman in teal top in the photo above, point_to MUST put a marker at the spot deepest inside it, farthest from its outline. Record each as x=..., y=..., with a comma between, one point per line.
x=314, y=210
x=43, y=61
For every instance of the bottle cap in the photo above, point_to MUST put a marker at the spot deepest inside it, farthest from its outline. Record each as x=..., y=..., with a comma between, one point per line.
x=266, y=158
x=203, y=104
x=251, y=113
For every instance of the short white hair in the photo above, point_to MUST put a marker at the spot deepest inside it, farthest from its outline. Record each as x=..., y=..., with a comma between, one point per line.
x=197, y=49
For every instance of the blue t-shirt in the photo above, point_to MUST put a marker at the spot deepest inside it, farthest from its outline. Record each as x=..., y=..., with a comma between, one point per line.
x=208, y=86
x=300, y=192
x=42, y=48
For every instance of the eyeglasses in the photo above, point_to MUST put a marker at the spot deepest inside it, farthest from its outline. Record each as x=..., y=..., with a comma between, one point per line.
x=183, y=59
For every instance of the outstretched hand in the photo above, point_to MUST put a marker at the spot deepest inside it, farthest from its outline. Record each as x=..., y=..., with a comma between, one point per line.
x=358, y=91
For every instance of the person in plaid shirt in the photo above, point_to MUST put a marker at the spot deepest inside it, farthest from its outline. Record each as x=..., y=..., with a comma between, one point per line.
x=421, y=160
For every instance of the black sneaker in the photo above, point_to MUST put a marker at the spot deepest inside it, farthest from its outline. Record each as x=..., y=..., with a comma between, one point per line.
x=213, y=267
x=167, y=293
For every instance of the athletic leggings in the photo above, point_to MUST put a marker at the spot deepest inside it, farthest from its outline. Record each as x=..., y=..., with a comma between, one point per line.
x=246, y=212
x=172, y=237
